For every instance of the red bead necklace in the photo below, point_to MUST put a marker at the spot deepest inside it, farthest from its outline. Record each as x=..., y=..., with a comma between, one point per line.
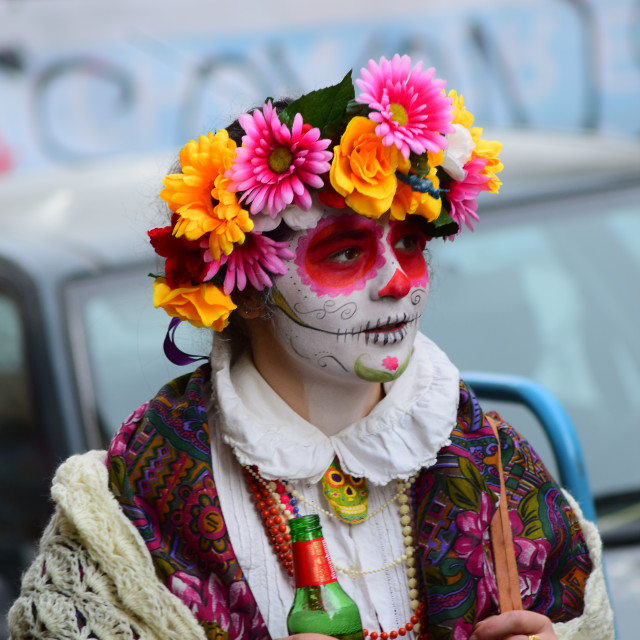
x=276, y=507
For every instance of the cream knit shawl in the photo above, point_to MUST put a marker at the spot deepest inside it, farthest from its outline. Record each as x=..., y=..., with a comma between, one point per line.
x=93, y=573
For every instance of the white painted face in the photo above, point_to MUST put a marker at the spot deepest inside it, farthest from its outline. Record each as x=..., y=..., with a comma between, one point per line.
x=350, y=303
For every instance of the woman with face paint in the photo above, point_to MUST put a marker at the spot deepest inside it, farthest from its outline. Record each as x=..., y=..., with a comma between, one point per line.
x=299, y=234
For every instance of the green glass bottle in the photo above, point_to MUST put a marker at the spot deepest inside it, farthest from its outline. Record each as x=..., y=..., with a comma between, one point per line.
x=320, y=604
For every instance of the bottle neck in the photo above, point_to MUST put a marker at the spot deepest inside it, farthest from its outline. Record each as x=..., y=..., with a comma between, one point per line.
x=311, y=563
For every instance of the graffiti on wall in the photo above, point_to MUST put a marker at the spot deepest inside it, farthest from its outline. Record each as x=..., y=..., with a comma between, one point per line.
x=553, y=64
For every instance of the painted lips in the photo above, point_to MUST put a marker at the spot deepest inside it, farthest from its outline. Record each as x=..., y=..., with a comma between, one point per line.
x=386, y=328
x=388, y=331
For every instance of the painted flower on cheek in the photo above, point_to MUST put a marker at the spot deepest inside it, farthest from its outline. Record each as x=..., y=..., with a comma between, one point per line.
x=204, y=305
x=390, y=363
x=363, y=169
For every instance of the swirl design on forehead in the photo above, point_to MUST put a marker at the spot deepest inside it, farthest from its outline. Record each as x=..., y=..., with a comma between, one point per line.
x=328, y=226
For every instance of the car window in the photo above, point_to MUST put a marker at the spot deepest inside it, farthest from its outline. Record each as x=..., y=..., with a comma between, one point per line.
x=117, y=337
x=549, y=291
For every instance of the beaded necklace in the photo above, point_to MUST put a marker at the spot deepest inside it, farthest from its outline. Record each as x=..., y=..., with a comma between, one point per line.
x=277, y=503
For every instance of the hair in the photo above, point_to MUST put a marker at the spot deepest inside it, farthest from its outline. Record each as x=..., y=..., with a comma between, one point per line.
x=236, y=332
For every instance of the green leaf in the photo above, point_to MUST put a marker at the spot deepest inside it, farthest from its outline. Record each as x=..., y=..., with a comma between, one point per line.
x=420, y=164
x=463, y=494
x=376, y=375
x=323, y=107
x=442, y=226
x=528, y=512
x=471, y=472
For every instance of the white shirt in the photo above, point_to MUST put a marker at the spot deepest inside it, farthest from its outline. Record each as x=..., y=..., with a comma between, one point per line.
x=401, y=435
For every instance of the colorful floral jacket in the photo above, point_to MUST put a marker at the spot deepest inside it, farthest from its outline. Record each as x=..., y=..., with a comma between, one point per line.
x=160, y=471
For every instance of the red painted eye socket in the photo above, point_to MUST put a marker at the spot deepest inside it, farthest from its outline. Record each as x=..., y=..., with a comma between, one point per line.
x=340, y=254
x=408, y=241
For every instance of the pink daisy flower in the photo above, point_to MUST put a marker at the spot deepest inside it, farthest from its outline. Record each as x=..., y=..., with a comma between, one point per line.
x=409, y=105
x=254, y=261
x=275, y=165
x=463, y=193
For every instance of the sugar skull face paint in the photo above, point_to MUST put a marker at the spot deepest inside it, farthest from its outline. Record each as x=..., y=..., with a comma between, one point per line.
x=350, y=302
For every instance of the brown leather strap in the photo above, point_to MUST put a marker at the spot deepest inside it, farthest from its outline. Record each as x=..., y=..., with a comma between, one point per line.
x=502, y=544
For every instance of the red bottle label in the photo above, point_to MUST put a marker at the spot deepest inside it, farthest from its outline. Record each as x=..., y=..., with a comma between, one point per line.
x=312, y=564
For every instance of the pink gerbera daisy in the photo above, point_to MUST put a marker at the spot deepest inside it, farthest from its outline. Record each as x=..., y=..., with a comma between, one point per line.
x=275, y=165
x=409, y=105
x=463, y=193
x=255, y=260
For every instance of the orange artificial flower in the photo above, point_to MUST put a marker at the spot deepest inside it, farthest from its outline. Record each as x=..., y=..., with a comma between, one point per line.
x=363, y=169
x=489, y=149
x=407, y=201
x=199, y=196
x=203, y=305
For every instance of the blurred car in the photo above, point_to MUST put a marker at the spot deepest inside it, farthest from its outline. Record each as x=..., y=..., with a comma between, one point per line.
x=80, y=341
x=546, y=289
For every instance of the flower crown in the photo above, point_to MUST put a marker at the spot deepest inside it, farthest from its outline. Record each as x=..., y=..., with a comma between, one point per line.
x=401, y=146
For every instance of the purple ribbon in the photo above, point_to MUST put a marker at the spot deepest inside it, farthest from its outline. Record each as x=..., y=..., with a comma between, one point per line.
x=173, y=352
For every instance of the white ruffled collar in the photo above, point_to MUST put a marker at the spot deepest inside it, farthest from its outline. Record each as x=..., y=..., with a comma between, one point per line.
x=402, y=434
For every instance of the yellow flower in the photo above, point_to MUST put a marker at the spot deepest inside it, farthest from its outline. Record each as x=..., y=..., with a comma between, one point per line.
x=204, y=305
x=488, y=149
x=363, y=169
x=192, y=193
x=460, y=113
x=411, y=202
x=231, y=222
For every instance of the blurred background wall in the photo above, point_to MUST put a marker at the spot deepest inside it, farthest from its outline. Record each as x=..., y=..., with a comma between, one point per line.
x=80, y=80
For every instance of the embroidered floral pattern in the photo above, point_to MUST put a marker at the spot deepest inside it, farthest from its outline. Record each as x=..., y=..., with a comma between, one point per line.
x=160, y=471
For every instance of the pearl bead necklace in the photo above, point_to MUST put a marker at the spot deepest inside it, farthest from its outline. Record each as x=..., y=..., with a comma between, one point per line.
x=277, y=503
x=400, y=496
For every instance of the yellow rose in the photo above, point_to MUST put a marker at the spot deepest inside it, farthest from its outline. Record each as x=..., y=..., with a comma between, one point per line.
x=363, y=169
x=411, y=202
x=204, y=305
